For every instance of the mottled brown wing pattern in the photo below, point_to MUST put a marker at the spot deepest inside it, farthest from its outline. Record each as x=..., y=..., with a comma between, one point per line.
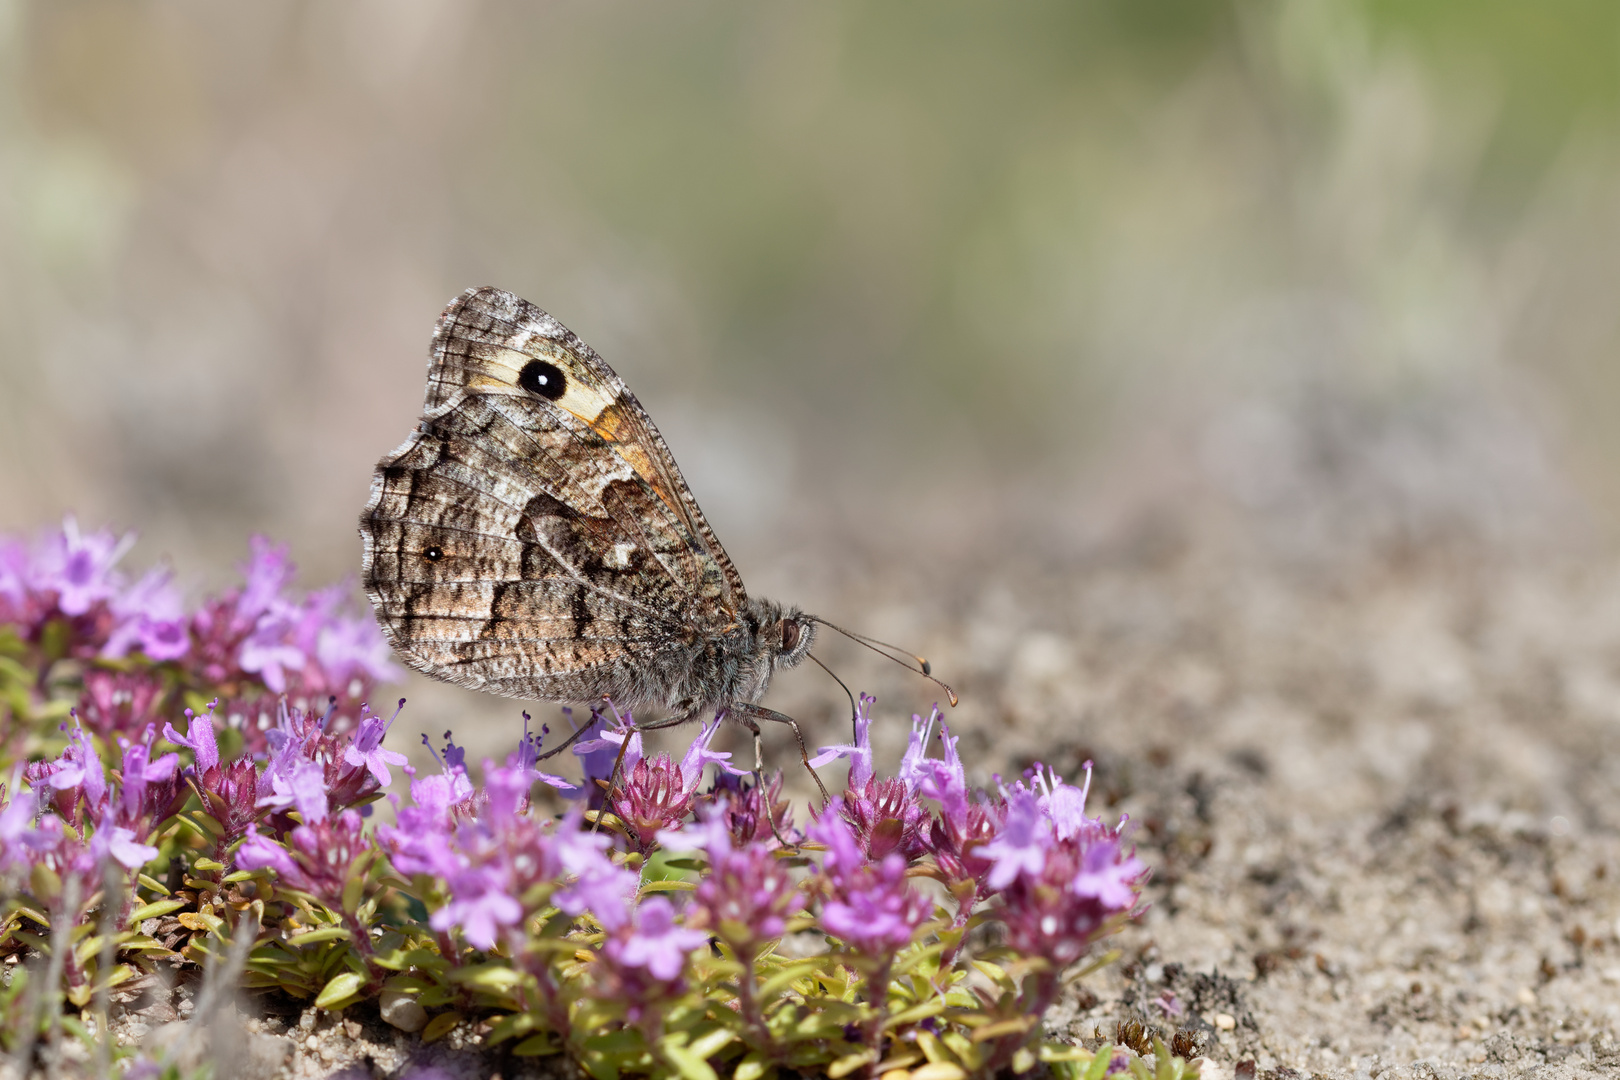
x=511, y=547
x=483, y=340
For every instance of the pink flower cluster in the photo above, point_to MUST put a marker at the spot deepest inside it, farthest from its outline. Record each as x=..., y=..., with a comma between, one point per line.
x=68, y=597
x=1054, y=877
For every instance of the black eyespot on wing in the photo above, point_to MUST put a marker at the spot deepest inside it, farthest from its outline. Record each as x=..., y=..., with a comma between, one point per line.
x=544, y=379
x=433, y=554
x=790, y=635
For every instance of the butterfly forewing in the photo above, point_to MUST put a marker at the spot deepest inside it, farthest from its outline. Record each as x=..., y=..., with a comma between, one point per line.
x=486, y=339
x=513, y=544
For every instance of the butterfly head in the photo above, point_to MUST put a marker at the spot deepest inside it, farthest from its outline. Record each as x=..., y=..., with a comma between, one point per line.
x=792, y=637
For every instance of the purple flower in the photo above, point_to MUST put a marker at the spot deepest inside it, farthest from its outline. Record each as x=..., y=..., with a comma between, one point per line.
x=420, y=843
x=597, y=756
x=747, y=896
x=654, y=793
x=943, y=780
x=1108, y=876
x=885, y=814
x=479, y=905
x=120, y=843
x=750, y=810
x=527, y=757
x=859, y=752
x=1021, y=845
x=267, y=573
x=297, y=783
x=18, y=832
x=199, y=738
x=698, y=755
x=1063, y=804
x=150, y=784
x=1168, y=1004
x=367, y=749
x=79, y=567
x=600, y=887
x=267, y=654
x=150, y=616
x=121, y=702
x=259, y=851
x=14, y=574
x=346, y=648
x=654, y=941
x=1085, y=885
x=869, y=905
x=914, y=763
x=320, y=860
x=78, y=771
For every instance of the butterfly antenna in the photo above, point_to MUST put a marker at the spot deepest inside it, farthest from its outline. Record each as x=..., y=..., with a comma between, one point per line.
x=853, y=711
x=883, y=648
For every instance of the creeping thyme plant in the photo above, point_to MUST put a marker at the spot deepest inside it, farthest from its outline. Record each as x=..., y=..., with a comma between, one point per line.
x=179, y=786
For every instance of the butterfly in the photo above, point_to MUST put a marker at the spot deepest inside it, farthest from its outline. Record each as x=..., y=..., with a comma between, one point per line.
x=534, y=538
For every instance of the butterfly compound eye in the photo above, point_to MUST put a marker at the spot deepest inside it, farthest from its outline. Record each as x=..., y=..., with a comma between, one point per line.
x=546, y=380
x=790, y=635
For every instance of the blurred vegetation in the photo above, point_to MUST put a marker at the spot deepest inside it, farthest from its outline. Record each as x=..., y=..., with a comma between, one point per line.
x=978, y=243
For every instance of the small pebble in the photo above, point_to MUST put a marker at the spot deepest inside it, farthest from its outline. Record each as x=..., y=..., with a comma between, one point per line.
x=311, y=1043
x=1225, y=1021
x=1527, y=996
x=401, y=1011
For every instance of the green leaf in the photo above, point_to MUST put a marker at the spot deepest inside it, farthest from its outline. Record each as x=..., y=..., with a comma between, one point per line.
x=711, y=1044
x=355, y=887
x=153, y=884
x=154, y=910
x=538, y=1045
x=1099, y=1064
x=688, y=1064
x=666, y=886
x=440, y=1026
x=315, y=937
x=495, y=975
x=684, y=864
x=342, y=987
x=847, y=1064
x=916, y=1013
x=509, y=1027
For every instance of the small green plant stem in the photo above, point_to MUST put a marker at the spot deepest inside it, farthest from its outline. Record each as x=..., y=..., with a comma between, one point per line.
x=748, y=1001
x=555, y=1008
x=877, y=991
x=966, y=895
x=1048, y=986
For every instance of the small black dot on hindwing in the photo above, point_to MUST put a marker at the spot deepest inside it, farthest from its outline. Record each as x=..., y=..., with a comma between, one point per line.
x=433, y=553
x=543, y=378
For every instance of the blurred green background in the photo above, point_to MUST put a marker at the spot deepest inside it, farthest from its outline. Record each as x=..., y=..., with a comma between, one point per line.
x=887, y=271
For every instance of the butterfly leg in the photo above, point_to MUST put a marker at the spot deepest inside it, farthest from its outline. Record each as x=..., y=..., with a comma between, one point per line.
x=759, y=712
x=736, y=713
x=573, y=738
